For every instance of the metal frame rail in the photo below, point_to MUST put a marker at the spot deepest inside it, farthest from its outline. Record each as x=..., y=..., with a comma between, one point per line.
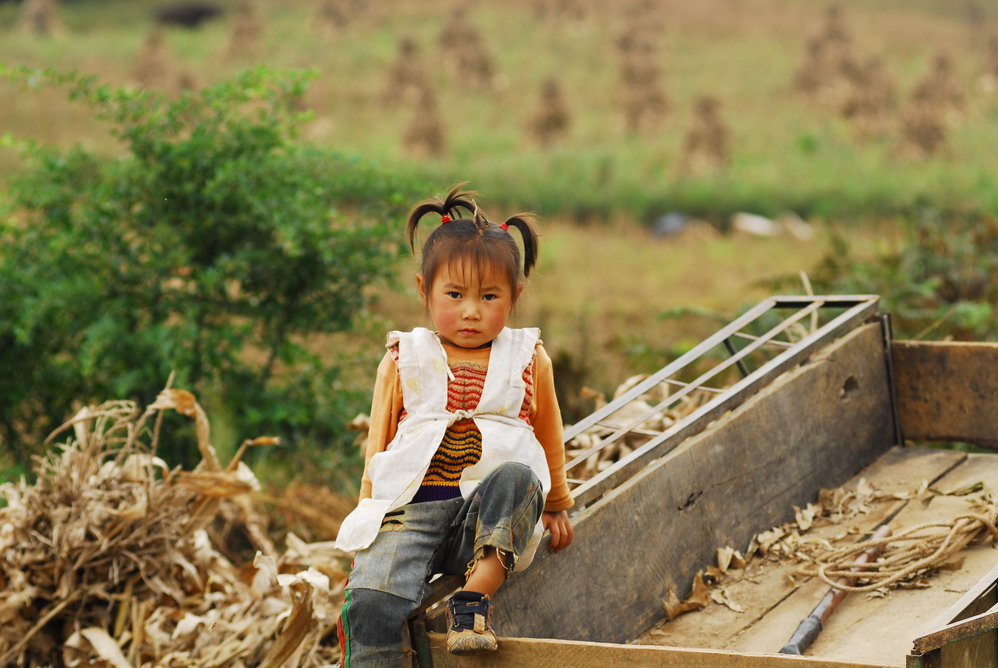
x=855, y=309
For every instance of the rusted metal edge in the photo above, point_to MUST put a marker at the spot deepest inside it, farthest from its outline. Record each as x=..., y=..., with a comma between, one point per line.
x=862, y=308
x=888, y=331
x=962, y=630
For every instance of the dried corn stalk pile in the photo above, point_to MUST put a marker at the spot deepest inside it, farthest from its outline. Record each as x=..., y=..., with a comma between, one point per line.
x=657, y=421
x=106, y=560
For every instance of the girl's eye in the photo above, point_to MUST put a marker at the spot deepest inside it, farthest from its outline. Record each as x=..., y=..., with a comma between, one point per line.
x=490, y=297
x=454, y=295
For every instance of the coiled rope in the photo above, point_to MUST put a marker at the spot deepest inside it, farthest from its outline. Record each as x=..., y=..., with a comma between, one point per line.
x=906, y=554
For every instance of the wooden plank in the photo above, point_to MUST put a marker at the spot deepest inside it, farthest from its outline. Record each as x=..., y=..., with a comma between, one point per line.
x=813, y=427
x=531, y=652
x=884, y=629
x=765, y=584
x=947, y=391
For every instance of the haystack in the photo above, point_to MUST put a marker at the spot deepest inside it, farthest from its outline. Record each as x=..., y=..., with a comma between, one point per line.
x=157, y=69
x=108, y=558
x=466, y=54
x=871, y=99
x=152, y=64
x=40, y=17
x=331, y=18
x=822, y=74
x=645, y=101
x=408, y=80
x=923, y=131
x=989, y=70
x=939, y=89
x=452, y=33
x=706, y=146
x=551, y=121
x=424, y=135
x=247, y=29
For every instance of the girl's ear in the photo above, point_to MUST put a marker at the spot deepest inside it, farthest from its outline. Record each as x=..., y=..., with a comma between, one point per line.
x=421, y=286
x=519, y=291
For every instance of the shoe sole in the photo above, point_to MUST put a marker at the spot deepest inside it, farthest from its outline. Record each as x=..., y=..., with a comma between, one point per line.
x=472, y=648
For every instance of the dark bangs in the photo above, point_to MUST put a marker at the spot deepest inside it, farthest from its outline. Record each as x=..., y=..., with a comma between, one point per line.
x=462, y=241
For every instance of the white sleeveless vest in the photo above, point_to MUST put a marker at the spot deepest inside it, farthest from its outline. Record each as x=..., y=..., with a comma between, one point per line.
x=397, y=473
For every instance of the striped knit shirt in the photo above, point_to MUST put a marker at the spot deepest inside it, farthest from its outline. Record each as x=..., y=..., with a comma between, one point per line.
x=461, y=445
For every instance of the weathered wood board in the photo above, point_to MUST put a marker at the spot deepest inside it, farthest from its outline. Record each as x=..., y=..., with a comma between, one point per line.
x=765, y=584
x=883, y=629
x=531, y=652
x=947, y=391
x=813, y=427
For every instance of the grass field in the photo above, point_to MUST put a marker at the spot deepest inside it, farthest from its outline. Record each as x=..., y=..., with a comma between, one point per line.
x=787, y=152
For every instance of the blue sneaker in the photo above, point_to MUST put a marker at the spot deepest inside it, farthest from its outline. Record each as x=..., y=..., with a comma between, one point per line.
x=469, y=624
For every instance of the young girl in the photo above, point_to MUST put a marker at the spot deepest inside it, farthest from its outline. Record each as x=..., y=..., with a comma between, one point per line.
x=465, y=465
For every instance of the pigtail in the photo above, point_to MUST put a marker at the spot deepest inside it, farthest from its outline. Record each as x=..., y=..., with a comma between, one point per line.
x=524, y=223
x=454, y=200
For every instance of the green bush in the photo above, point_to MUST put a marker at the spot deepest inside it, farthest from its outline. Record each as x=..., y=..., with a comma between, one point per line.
x=211, y=248
x=939, y=284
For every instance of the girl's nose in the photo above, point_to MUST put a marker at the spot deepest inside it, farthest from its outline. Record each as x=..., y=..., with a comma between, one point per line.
x=471, y=311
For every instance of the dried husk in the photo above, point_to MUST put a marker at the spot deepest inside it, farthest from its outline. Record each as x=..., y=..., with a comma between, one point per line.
x=106, y=560
x=658, y=421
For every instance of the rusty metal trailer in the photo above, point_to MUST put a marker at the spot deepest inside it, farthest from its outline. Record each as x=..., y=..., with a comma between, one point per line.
x=798, y=394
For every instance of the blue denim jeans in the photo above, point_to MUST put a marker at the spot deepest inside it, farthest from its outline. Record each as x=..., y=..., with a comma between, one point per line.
x=389, y=579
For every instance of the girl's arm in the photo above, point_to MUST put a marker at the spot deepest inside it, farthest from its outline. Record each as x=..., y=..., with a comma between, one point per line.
x=546, y=419
x=385, y=408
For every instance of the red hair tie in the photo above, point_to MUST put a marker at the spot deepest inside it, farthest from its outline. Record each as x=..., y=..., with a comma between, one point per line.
x=444, y=219
x=504, y=226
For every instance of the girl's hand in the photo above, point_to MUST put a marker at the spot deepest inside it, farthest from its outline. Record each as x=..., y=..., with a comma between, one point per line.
x=561, y=529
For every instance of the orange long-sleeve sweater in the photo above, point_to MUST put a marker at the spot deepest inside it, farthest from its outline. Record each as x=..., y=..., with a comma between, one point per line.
x=469, y=367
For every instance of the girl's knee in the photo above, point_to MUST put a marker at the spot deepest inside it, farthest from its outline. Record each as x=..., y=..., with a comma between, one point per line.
x=516, y=474
x=511, y=491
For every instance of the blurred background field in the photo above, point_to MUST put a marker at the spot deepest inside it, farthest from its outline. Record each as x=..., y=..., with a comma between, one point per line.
x=788, y=150
x=870, y=125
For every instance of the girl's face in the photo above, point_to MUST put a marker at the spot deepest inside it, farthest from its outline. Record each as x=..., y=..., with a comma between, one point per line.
x=468, y=306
